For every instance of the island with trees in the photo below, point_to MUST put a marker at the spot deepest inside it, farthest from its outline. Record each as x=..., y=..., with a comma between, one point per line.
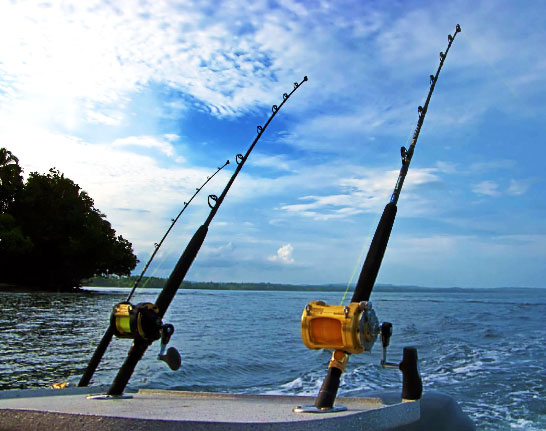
x=51, y=235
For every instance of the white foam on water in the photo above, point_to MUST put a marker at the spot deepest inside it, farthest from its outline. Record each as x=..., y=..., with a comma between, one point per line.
x=523, y=424
x=469, y=368
x=306, y=385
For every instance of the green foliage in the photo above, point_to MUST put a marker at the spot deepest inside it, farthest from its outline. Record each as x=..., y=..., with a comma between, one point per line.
x=13, y=244
x=54, y=237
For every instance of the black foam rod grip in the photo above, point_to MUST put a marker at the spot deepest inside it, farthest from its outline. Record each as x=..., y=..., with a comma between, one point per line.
x=412, y=386
x=180, y=270
x=371, y=266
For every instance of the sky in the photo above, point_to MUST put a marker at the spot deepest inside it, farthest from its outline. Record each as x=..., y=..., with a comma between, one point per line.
x=138, y=102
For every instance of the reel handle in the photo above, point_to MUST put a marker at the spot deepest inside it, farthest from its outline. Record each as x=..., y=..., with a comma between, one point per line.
x=172, y=358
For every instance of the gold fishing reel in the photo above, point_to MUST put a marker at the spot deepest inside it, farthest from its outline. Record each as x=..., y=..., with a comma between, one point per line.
x=352, y=328
x=141, y=321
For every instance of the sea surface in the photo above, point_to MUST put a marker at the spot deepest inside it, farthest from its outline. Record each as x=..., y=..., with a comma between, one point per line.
x=484, y=347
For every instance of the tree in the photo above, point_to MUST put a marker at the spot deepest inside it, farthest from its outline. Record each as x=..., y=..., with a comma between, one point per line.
x=58, y=237
x=11, y=179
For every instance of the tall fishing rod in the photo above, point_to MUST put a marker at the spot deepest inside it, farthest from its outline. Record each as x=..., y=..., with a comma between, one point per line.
x=107, y=337
x=143, y=322
x=354, y=328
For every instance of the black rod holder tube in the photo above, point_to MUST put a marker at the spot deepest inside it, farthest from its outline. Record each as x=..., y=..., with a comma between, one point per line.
x=184, y=263
x=370, y=270
x=328, y=390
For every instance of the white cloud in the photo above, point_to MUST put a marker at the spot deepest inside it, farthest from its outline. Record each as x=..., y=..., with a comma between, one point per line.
x=284, y=255
x=518, y=187
x=134, y=191
x=364, y=192
x=163, y=145
x=491, y=188
x=230, y=58
x=488, y=188
x=277, y=162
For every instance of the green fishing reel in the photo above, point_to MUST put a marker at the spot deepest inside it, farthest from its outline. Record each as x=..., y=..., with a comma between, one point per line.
x=142, y=322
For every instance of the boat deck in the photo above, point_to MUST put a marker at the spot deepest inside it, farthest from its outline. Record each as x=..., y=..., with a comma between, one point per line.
x=70, y=409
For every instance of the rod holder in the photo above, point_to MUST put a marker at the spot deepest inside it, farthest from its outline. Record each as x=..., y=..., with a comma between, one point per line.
x=412, y=385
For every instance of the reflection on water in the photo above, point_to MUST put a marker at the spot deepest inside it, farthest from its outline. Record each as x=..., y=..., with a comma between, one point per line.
x=46, y=337
x=228, y=340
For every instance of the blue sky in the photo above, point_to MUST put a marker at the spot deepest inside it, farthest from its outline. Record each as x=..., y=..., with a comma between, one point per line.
x=138, y=102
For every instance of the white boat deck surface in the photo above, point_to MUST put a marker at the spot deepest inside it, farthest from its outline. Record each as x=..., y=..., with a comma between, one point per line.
x=70, y=409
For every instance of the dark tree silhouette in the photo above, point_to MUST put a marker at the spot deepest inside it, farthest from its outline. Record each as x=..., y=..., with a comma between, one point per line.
x=53, y=237
x=11, y=179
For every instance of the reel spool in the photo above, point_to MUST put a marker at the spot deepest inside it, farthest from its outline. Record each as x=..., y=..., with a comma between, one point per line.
x=139, y=321
x=142, y=322
x=352, y=328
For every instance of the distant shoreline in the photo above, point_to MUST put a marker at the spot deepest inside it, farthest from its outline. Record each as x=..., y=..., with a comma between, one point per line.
x=276, y=287
x=264, y=287
x=14, y=288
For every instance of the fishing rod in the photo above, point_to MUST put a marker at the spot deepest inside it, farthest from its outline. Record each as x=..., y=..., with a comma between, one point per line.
x=355, y=327
x=143, y=322
x=107, y=337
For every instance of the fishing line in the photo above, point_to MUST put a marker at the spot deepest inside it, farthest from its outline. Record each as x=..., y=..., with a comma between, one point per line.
x=495, y=72
x=355, y=269
x=158, y=245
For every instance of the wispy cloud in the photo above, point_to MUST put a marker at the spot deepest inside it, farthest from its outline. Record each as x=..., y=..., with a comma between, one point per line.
x=488, y=188
x=519, y=187
x=163, y=145
x=365, y=192
x=493, y=189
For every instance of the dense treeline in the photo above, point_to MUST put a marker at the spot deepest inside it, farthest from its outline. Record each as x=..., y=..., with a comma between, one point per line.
x=158, y=283
x=51, y=235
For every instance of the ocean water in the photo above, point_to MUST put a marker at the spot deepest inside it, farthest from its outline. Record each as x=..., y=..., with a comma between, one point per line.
x=483, y=347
